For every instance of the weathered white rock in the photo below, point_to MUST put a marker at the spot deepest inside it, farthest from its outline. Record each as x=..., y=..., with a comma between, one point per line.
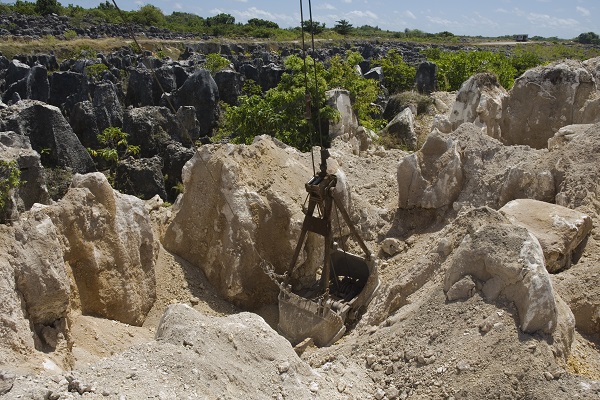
x=431, y=177
x=510, y=262
x=110, y=247
x=559, y=230
x=40, y=271
x=392, y=246
x=547, y=98
x=339, y=99
x=403, y=128
x=242, y=205
x=479, y=100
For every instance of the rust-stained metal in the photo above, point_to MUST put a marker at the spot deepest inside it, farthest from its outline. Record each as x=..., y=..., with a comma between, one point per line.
x=347, y=282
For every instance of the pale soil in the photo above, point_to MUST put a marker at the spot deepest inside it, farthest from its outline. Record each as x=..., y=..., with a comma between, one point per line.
x=429, y=349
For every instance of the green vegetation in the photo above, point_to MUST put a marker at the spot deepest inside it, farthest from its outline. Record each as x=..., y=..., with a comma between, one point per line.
x=588, y=38
x=215, y=63
x=456, y=67
x=10, y=178
x=95, y=71
x=398, y=75
x=281, y=111
x=115, y=147
x=363, y=92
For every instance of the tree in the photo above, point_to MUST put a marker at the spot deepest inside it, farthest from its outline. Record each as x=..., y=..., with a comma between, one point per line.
x=45, y=7
x=149, y=15
x=315, y=29
x=262, y=23
x=220, y=19
x=588, y=38
x=342, y=27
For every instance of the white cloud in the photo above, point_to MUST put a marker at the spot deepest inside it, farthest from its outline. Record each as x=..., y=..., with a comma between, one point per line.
x=254, y=12
x=409, y=14
x=546, y=20
x=583, y=11
x=347, y=1
x=363, y=14
x=502, y=11
x=241, y=1
x=446, y=23
x=177, y=6
x=325, y=6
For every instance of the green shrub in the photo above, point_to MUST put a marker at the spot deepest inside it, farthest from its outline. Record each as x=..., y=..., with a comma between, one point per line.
x=454, y=68
x=70, y=34
x=10, y=178
x=215, y=63
x=363, y=92
x=115, y=145
x=398, y=76
x=95, y=71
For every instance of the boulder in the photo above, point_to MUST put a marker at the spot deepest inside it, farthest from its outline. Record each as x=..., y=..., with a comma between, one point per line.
x=140, y=88
x=375, y=73
x=479, y=100
x=402, y=127
x=84, y=123
x=16, y=71
x=546, y=98
x=270, y=75
x=426, y=77
x=249, y=71
x=107, y=108
x=339, y=99
x=230, y=84
x=50, y=135
x=142, y=178
x=174, y=157
x=164, y=81
x=559, y=230
x=33, y=183
x=151, y=128
x=498, y=174
x=200, y=90
x=241, y=208
x=33, y=86
x=40, y=273
x=508, y=261
x=432, y=177
x=110, y=247
x=67, y=88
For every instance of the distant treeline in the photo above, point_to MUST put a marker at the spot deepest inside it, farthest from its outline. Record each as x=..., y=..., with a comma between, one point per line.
x=225, y=24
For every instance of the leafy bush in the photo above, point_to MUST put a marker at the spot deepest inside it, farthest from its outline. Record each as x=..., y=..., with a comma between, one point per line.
x=398, y=76
x=10, y=178
x=215, y=63
x=70, y=34
x=588, y=38
x=363, y=92
x=24, y=7
x=45, y=7
x=281, y=111
x=95, y=71
x=149, y=15
x=115, y=145
x=456, y=67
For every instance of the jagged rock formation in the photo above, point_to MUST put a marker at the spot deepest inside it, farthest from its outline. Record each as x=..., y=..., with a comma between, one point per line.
x=49, y=133
x=235, y=197
x=560, y=230
x=565, y=93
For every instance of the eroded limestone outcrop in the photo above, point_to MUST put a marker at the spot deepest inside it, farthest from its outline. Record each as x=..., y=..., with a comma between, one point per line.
x=242, y=205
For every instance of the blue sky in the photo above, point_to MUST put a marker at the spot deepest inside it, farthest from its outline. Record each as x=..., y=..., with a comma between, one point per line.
x=561, y=18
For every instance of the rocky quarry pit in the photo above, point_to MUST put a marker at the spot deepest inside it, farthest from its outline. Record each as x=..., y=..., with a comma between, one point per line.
x=486, y=236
